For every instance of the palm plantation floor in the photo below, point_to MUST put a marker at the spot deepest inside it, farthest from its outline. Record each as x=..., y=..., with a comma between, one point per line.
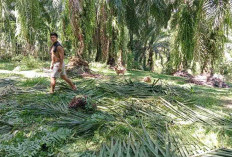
x=167, y=117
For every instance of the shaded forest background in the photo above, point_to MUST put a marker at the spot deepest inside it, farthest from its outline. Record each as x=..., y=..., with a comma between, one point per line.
x=161, y=35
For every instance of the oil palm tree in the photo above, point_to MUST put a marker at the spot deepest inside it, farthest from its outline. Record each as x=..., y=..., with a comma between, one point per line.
x=201, y=29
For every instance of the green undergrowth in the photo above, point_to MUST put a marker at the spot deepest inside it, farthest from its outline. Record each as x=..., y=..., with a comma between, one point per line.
x=25, y=63
x=166, y=117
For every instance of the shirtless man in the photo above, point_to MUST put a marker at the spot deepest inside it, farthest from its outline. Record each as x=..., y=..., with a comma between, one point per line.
x=57, y=64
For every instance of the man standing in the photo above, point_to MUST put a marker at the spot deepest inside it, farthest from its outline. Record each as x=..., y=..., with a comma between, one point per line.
x=57, y=64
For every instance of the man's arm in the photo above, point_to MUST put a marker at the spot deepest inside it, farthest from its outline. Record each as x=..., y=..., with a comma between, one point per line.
x=61, y=54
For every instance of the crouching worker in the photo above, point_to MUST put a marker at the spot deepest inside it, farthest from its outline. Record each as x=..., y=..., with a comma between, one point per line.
x=57, y=64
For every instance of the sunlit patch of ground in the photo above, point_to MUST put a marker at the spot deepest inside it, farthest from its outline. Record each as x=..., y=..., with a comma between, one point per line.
x=227, y=101
x=27, y=74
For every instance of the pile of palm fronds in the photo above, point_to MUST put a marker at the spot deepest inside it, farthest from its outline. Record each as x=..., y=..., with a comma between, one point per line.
x=7, y=87
x=204, y=79
x=157, y=113
x=34, y=145
x=182, y=73
x=77, y=66
x=209, y=80
x=173, y=143
x=128, y=88
x=213, y=153
x=7, y=90
x=155, y=116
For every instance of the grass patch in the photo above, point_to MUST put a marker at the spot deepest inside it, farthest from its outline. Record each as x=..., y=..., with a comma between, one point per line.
x=25, y=63
x=9, y=75
x=132, y=116
x=7, y=65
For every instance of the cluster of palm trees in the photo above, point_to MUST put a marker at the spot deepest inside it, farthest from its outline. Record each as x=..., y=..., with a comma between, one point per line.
x=182, y=33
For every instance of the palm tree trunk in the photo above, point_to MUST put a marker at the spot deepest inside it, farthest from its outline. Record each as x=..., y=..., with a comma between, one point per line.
x=150, y=60
x=131, y=44
x=99, y=45
x=75, y=10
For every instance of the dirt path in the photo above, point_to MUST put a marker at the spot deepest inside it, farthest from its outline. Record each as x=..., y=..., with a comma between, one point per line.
x=28, y=74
